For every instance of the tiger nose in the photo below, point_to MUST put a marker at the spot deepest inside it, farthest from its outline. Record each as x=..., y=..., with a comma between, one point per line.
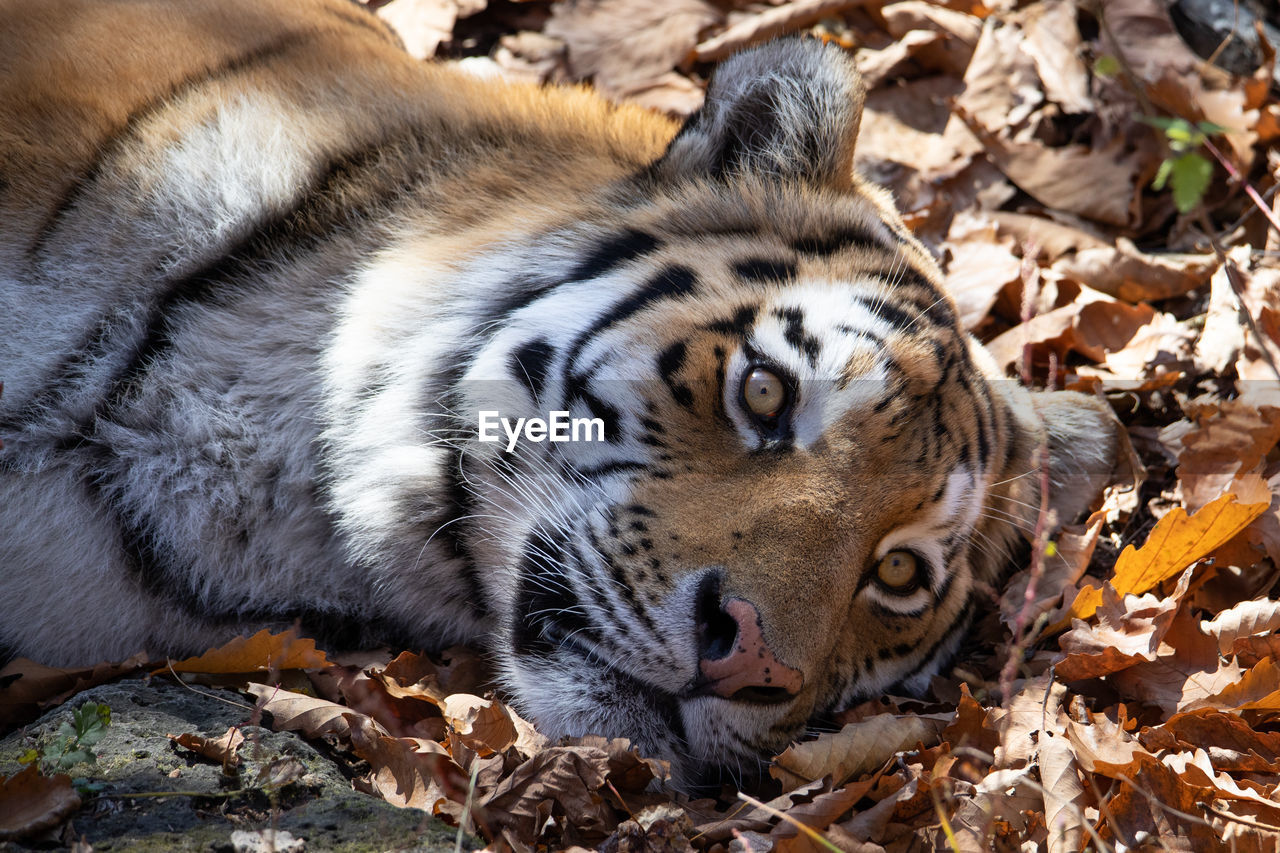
x=734, y=660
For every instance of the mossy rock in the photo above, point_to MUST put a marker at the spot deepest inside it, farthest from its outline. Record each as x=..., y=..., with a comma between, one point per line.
x=318, y=806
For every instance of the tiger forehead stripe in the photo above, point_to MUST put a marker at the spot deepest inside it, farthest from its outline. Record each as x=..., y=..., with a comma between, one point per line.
x=838, y=241
x=610, y=253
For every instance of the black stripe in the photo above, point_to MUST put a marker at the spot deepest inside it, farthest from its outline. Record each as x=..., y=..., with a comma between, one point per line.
x=612, y=252
x=530, y=362
x=546, y=607
x=795, y=335
x=891, y=314
x=739, y=326
x=668, y=283
x=837, y=241
x=961, y=626
x=765, y=269
x=323, y=210
x=670, y=362
x=608, y=468
x=118, y=138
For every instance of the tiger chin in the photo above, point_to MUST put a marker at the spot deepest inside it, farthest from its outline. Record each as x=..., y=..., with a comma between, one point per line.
x=261, y=273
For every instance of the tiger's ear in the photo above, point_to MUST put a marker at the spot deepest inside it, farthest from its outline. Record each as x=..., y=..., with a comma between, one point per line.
x=1084, y=448
x=789, y=108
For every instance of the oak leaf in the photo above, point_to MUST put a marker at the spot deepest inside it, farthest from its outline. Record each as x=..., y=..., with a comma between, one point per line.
x=262, y=651
x=407, y=772
x=296, y=712
x=855, y=749
x=1244, y=620
x=483, y=724
x=1177, y=541
x=1231, y=743
x=223, y=749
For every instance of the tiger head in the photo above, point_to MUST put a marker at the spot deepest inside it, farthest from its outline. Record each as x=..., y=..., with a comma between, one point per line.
x=803, y=475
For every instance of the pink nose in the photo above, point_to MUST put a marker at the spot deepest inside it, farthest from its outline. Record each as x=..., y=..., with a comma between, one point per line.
x=749, y=670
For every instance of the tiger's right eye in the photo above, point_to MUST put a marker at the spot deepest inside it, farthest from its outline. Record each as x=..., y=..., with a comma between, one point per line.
x=764, y=393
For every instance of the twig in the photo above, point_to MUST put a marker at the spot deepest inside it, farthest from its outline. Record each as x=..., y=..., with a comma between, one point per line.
x=1248, y=187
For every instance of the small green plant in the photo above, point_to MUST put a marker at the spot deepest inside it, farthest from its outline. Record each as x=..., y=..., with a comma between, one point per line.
x=1185, y=170
x=72, y=743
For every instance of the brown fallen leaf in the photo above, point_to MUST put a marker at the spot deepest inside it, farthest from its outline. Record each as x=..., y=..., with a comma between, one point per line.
x=1093, y=326
x=1128, y=631
x=407, y=772
x=1230, y=438
x=1257, y=689
x=1102, y=746
x=295, y=712
x=1232, y=744
x=262, y=651
x=1062, y=792
x=30, y=687
x=855, y=749
x=631, y=49
x=31, y=803
x=1126, y=272
x=768, y=24
x=482, y=724
x=1187, y=674
x=1244, y=620
x=559, y=780
x=223, y=750
x=980, y=263
x=1177, y=541
x=1146, y=802
x=424, y=24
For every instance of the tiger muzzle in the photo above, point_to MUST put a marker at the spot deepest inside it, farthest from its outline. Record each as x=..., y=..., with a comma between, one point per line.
x=734, y=661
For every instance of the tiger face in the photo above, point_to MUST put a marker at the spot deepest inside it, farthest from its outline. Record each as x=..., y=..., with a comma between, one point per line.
x=261, y=291
x=810, y=475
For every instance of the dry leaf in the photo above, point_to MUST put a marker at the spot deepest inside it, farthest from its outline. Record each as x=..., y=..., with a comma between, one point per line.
x=294, y=712
x=31, y=803
x=406, y=772
x=262, y=651
x=855, y=749
x=29, y=687
x=1230, y=742
x=222, y=750
x=1244, y=620
x=424, y=24
x=632, y=48
x=980, y=264
x=1177, y=541
x=483, y=724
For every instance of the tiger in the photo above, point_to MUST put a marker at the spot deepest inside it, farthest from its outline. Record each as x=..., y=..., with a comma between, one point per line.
x=269, y=286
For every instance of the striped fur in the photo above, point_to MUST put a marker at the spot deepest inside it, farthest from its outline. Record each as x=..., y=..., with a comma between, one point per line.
x=259, y=272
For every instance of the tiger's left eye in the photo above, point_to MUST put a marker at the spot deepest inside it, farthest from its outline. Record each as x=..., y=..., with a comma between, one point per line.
x=898, y=572
x=764, y=392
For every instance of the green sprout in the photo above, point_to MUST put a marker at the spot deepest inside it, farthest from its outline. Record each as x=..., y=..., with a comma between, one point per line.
x=73, y=742
x=1185, y=170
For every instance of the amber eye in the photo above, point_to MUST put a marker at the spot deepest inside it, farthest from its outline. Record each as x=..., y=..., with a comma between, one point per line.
x=764, y=392
x=897, y=572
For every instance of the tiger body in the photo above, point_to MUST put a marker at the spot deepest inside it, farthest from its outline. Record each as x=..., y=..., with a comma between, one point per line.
x=260, y=270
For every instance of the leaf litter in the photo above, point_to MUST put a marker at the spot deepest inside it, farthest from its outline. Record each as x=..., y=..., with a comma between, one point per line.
x=1021, y=140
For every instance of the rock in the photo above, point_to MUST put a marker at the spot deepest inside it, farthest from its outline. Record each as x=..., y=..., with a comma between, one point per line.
x=283, y=783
